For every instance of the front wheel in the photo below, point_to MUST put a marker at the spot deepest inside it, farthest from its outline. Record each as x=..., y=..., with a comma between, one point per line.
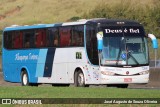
x=79, y=79
x=24, y=79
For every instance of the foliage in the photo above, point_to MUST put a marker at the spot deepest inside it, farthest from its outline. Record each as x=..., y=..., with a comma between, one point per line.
x=149, y=16
x=75, y=18
x=1, y=41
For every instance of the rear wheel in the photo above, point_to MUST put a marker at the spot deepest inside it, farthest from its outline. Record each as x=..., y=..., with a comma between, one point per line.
x=79, y=79
x=24, y=79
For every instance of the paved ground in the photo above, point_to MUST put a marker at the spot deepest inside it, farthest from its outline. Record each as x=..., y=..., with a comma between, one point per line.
x=4, y=83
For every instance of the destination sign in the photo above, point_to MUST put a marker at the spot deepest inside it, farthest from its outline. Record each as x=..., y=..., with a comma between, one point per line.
x=131, y=30
x=123, y=31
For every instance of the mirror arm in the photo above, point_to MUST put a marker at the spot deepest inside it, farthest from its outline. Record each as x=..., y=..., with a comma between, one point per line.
x=154, y=45
x=154, y=41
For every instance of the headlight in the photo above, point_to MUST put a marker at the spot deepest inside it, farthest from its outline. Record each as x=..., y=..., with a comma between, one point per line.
x=107, y=73
x=144, y=72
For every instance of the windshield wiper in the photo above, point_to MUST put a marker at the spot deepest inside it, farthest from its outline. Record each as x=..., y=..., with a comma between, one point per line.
x=120, y=50
x=134, y=59
x=119, y=53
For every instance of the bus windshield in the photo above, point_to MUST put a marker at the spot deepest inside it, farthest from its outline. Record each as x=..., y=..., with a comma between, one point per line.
x=124, y=46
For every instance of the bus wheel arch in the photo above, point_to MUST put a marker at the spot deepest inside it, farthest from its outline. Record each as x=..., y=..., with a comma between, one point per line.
x=24, y=77
x=79, y=78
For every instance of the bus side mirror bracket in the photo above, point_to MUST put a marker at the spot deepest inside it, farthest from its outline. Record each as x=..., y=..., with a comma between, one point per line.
x=154, y=45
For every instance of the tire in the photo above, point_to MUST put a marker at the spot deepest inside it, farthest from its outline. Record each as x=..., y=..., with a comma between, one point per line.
x=24, y=79
x=79, y=80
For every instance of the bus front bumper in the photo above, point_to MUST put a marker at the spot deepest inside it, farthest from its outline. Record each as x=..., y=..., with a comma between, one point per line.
x=124, y=79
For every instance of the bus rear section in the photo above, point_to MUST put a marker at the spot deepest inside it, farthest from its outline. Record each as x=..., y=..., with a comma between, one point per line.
x=41, y=54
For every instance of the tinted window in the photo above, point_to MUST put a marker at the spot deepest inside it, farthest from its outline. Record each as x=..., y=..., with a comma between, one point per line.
x=17, y=39
x=53, y=37
x=78, y=36
x=65, y=36
x=29, y=39
x=40, y=38
x=91, y=44
x=8, y=40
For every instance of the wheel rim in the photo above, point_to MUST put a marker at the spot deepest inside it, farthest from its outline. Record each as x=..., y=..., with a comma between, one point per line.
x=80, y=79
x=25, y=79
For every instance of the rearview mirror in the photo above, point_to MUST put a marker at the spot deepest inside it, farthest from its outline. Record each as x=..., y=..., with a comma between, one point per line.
x=154, y=41
x=100, y=40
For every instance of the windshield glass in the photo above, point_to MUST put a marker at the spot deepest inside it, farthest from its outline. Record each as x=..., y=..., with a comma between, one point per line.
x=124, y=46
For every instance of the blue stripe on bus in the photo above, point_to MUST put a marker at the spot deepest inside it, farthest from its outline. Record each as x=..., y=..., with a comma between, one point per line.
x=41, y=62
x=32, y=27
x=49, y=62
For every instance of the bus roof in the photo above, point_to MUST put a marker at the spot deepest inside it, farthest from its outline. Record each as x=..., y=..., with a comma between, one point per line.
x=96, y=21
x=114, y=22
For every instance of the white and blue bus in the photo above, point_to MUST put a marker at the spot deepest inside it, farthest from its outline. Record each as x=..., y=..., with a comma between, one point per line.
x=88, y=52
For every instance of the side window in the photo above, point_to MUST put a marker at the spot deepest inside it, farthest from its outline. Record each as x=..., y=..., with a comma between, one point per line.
x=78, y=36
x=8, y=40
x=91, y=44
x=53, y=37
x=65, y=36
x=29, y=39
x=40, y=38
x=17, y=40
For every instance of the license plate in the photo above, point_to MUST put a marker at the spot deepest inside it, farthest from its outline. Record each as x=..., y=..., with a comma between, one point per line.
x=127, y=79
